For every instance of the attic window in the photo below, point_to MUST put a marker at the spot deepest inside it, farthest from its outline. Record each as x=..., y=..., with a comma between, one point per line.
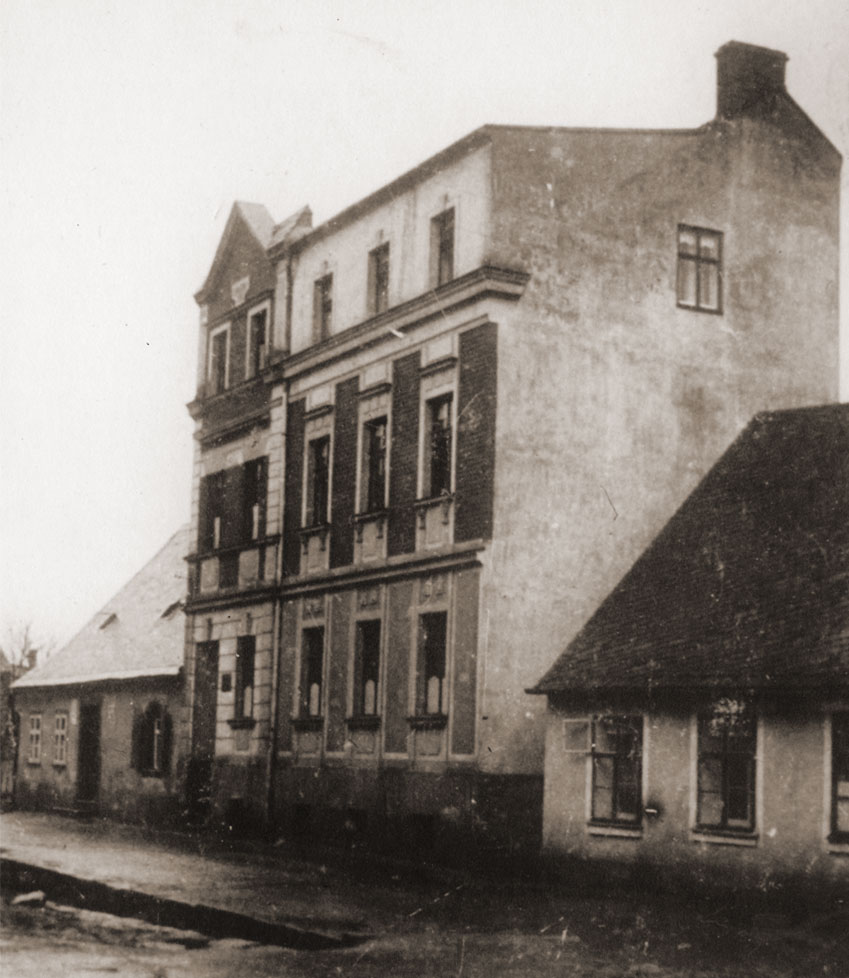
x=112, y=618
x=169, y=611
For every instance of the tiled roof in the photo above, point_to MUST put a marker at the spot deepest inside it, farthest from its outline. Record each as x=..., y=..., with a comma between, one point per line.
x=747, y=586
x=132, y=635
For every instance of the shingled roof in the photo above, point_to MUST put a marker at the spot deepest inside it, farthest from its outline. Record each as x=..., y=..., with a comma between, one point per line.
x=747, y=586
x=139, y=632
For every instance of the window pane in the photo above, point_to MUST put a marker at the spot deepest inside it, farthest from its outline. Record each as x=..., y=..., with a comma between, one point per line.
x=603, y=771
x=710, y=809
x=439, y=446
x=687, y=242
x=602, y=802
x=687, y=282
x=709, y=246
x=710, y=774
x=627, y=791
x=842, y=816
x=708, y=286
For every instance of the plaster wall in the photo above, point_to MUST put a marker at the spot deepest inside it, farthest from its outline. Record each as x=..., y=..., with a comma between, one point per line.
x=405, y=223
x=613, y=402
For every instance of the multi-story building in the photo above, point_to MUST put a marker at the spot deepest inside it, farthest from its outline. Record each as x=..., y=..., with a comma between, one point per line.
x=434, y=431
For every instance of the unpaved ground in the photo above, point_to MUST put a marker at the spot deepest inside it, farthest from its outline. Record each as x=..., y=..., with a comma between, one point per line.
x=459, y=932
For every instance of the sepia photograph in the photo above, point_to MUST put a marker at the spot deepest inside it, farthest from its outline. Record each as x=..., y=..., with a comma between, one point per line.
x=424, y=489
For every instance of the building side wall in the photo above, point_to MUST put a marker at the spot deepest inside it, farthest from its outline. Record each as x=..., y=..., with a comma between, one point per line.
x=405, y=224
x=789, y=842
x=614, y=401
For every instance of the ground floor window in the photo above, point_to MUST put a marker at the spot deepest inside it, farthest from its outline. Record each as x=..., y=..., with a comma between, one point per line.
x=60, y=739
x=152, y=741
x=312, y=671
x=617, y=749
x=840, y=777
x=245, y=662
x=34, y=742
x=367, y=668
x=727, y=744
x=432, y=692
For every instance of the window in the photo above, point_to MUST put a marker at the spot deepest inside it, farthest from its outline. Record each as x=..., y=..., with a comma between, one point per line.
x=312, y=669
x=60, y=738
x=318, y=481
x=432, y=693
x=218, y=370
x=322, y=308
x=726, y=767
x=257, y=342
x=617, y=748
x=152, y=741
x=699, y=269
x=840, y=777
x=437, y=449
x=373, y=466
x=233, y=506
x=442, y=247
x=367, y=668
x=378, y=279
x=34, y=744
x=245, y=657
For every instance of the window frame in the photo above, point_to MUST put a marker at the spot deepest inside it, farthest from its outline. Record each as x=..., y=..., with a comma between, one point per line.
x=245, y=679
x=34, y=738
x=438, y=239
x=379, y=271
x=372, y=498
x=360, y=678
x=253, y=369
x=309, y=517
x=636, y=723
x=699, y=261
x=60, y=738
x=212, y=385
x=426, y=452
x=153, y=741
x=836, y=834
x=309, y=649
x=322, y=307
x=423, y=674
x=727, y=825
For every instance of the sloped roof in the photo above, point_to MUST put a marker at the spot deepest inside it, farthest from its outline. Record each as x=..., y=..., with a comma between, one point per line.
x=259, y=222
x=747, y=586
x=131, y=635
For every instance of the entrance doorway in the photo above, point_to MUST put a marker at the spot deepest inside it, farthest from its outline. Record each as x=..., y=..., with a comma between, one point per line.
x=88, y=763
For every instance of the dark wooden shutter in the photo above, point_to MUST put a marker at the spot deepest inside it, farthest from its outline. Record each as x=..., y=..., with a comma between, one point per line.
x=476, y=433
x=167, y=741
x=344, y=473
x=403, y=455
x=294, y=483
x=136, y=744
x=231, y=520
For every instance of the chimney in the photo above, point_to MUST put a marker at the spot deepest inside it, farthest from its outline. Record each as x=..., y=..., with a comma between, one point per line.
x=748, y=79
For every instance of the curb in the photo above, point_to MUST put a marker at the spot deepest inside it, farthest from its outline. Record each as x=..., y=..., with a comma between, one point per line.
x=212, y=921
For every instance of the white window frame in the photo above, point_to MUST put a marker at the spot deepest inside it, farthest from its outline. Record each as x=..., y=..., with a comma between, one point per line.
x=60, y=739
x=224, y=327
x=265, y=307
x=34, y=733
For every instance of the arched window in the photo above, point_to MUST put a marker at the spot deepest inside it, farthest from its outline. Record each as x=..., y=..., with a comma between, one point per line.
x=152, y=741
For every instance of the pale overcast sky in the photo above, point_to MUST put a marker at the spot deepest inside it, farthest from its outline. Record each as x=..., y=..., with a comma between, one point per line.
x=126, y=131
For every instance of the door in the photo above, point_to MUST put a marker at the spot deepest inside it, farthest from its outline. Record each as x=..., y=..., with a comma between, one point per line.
x=88, y=754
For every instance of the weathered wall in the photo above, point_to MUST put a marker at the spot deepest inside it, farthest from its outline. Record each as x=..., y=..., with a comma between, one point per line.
x=405, y=223
x=124, y=792
x=613, y=401
x=793, y=807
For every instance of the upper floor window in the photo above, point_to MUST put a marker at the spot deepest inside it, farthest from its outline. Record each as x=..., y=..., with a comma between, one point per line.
x=373, y=466
x=617, y=747
x=442, y=247
x=312, y=671
x=233, y=506
x=437, y=447
x=253, y=499
x=318, y=481
x=431, y=686
x=245, y=659
x=257, y=341
x=699, y=269
x=322, y=308
x=727, y=742
x=840, y=777
x=60, y=738
x=378, y=279
x=34, y=741
x=367, y=668
x=218, y=368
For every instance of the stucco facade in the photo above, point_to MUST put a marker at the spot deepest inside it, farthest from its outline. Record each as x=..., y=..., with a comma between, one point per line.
x=505, y=340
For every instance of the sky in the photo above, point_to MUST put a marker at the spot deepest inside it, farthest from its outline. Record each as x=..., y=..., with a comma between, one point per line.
x=126, y=132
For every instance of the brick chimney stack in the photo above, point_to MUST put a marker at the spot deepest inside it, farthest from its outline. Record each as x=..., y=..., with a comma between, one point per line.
x=748, y=79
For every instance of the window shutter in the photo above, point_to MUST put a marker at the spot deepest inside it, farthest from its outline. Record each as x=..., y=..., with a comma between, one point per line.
x=231, y=522
x=576, y=735
x=136, y=744
x=167, y=737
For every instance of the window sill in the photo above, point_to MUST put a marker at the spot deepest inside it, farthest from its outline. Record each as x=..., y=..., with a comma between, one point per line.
x=242, y=723
x=689, y=308
x=364, y=722
x=615, y=831
x=33, y=763
x=307, y=724
x=720, y=838
x=60, y=765
x=432, y=721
